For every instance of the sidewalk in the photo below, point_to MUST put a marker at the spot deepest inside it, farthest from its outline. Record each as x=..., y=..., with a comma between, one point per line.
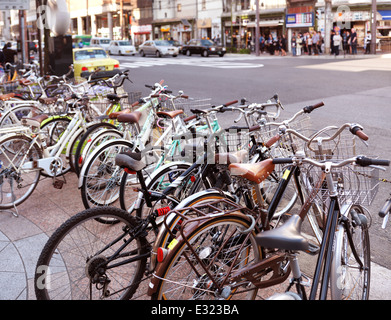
x=22, y=239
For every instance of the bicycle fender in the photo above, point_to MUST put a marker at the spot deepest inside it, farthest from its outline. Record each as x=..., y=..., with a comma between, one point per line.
x=54, y=117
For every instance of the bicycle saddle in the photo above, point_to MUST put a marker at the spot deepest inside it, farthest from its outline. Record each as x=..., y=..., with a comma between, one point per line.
x=34, y=121
x=169, y=114
x=132, y=117
x=255, y=172
x=115, y=97
x=286, y=237
x=7, y=96
x=130, y=160
x=114, y=115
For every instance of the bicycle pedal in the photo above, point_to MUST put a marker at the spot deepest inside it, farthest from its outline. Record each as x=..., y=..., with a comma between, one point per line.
x=58, y=184
x=313, y=249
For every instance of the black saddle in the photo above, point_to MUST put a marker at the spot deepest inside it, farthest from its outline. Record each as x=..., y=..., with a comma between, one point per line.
x=130, y=160
x=286, y=237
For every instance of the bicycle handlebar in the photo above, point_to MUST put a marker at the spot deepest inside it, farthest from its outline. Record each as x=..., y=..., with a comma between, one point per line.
x=359, y=160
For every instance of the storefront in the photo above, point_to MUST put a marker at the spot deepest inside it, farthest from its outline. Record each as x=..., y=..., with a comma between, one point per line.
x=140, y=34
x=180, y=30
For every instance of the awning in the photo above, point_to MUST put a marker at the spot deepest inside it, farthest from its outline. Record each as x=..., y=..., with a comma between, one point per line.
x=386, y=14
x=186, y=22
x=265, y=23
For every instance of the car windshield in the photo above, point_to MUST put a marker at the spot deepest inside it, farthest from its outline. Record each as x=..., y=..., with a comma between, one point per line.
x=104, y=41
x=124, y=43
x=206, y=42
x=90, y=54
x=162, y=43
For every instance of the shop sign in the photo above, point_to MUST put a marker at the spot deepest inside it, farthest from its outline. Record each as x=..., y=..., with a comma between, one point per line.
x=295, y=20
x=165, y=28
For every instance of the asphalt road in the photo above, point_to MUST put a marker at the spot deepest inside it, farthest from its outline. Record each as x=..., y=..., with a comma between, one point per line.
x=354, y=90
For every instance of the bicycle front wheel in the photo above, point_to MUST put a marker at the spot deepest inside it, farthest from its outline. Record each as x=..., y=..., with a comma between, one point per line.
x=351, y=266
x=221, y=248
x=79, y=261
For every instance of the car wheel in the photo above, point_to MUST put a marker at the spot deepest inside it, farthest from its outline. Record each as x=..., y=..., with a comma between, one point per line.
x=188, y=53
x=205, y=53
x=221, y=54
x=120, y=53
x=142, y=53
x=158, y=54
x=109, y=52
x=174, y=55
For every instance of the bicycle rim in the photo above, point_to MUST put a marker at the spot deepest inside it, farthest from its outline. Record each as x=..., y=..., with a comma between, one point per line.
x=217, y=242
x=349, y=280
x=74, y=263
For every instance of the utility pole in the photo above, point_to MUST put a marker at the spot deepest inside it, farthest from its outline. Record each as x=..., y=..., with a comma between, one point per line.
x=37, y=5
x=257, y=27
x=327, y=26
x=373, y=27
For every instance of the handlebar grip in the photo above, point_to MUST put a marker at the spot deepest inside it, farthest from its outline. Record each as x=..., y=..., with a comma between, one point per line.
x=184, y=97
x=364, y=161
x=282, y=160
x=309, y=109
x=230, y=103
x=386, y=209
x=272, y=141
x=135, y=103
x=154, y=96
x=190, y=118
x=361, y=135
x=161, y=82
x=318, y=105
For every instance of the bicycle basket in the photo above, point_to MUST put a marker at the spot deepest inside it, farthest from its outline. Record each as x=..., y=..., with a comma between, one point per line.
x=9, y=87
x=354, y=184
x=232, y=140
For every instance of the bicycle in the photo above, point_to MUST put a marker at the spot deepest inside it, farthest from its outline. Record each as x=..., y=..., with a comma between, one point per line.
x=385, y=212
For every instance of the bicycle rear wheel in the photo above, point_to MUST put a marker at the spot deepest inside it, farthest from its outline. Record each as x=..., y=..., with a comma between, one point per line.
x=78, y=261
x=218, y=244
x=350, y=274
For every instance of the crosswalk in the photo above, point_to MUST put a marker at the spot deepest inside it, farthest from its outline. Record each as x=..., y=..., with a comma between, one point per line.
x=220, y=63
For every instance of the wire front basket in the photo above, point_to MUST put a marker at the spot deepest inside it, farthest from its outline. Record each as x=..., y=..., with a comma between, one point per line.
x=353, y=183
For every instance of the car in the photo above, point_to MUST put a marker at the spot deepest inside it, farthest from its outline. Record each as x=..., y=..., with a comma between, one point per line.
x=33, y=47
x=121, y=47
x=94, y=60
x=100, y=42
x=157, y=48
x=203, y=47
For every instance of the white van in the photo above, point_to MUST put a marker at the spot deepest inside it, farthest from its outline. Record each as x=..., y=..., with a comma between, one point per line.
x=100, y=42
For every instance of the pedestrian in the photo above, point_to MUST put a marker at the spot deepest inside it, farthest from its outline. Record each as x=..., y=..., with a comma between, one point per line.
x=368, y=42
x=304, y=43
x=332, y=33
x=80, y=44
x=9, y=54
x=320, y=42
x=2, y=58
x=262, y=43
x=293, y=44
x=336, y=42
x=270, y=44
x=315, y=40
x=348, y=42
x=299, y=42
x=309, y=44
x=283, y=45
x=353, y=41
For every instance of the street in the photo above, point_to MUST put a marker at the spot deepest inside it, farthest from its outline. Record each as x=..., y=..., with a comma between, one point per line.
x=353, y=90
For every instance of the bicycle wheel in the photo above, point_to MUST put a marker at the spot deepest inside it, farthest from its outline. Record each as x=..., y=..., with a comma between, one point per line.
x=53, y=128
x=101, y=177
x=77, y=161
x=17, y=184
x=78, y=262
x=15, y=114
x=218, y=245
x=157, y=181
x=350, y=274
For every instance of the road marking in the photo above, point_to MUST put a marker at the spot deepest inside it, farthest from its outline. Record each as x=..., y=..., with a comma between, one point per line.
x=226, y=64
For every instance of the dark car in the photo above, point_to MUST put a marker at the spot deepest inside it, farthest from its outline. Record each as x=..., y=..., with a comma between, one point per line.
x=203, y=47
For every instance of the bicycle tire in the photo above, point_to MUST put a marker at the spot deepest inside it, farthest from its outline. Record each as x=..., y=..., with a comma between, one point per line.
x=75, y=252
x=83, y=141
x=26, y=180
x=100, y=177
x=349, y=281
x=178, y=277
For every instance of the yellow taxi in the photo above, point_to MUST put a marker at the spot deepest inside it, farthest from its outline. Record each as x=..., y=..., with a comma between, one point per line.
x=94, y=60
